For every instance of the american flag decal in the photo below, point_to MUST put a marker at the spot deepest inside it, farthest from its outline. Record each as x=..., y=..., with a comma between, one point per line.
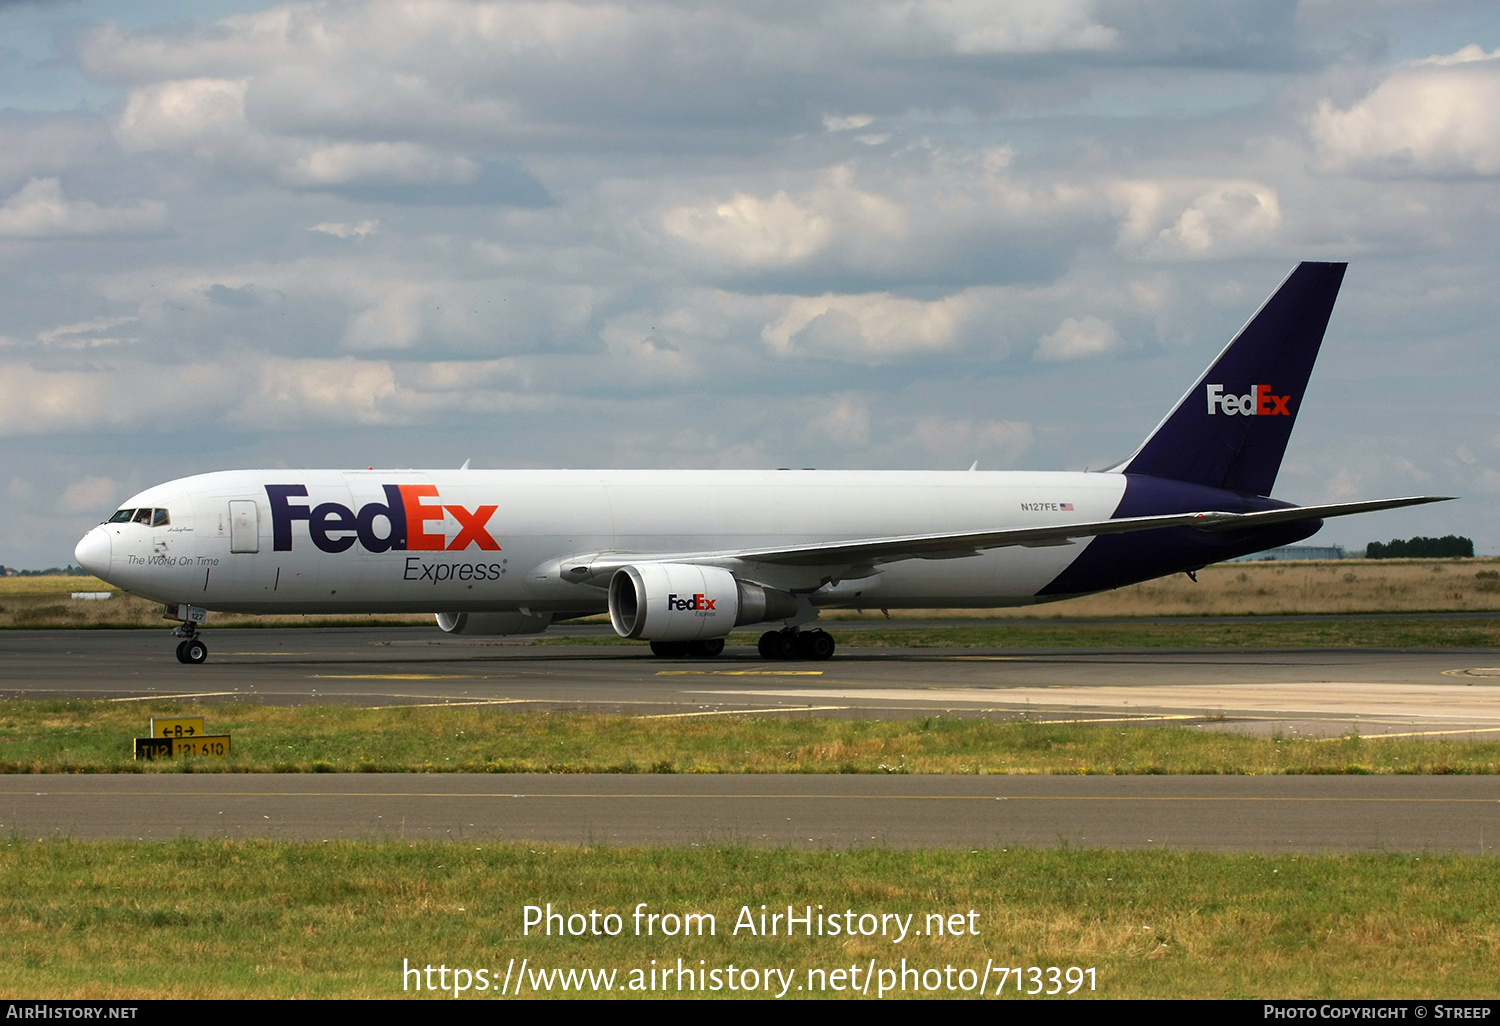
x=1066, y=506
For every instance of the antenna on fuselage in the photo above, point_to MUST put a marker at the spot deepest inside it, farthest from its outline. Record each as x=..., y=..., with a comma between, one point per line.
x=465, y=466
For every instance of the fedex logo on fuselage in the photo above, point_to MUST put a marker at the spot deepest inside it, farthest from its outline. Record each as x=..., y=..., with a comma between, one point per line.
x=335, y=527
x=696, y=602
x=1258, y=402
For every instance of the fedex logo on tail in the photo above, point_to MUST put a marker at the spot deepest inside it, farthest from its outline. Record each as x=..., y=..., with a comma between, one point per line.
x=1258, y=402
x=398, y=523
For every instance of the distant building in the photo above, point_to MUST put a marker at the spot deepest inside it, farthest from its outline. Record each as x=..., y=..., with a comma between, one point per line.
x=1294, y=552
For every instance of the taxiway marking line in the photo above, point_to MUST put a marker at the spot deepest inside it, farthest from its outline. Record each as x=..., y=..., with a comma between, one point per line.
x=458, y=704
x=1410, y=733
x=152, y=698
x=1142, y=718
x=392, y=676
x=744, y=712
x=739, y=673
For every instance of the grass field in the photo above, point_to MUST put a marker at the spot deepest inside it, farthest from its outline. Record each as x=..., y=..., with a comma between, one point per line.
x=1279, y=588
x=1343, y=586
x=192, y=919
x=95, y=737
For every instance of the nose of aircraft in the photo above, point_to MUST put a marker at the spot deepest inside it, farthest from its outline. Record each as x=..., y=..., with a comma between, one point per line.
x=92, y=552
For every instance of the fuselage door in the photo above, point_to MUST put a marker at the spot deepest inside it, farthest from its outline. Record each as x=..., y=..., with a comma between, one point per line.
x=244, y=526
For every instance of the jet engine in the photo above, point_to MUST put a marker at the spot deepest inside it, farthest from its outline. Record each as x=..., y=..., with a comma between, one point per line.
x=493, y=623
x=686, y=602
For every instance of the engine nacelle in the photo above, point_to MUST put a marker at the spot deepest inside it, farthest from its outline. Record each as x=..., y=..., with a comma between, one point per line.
x=493, y=623
x=673, y=602
x=684, y=602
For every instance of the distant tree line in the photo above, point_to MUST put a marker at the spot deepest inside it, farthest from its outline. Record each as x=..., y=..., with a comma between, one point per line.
x=52, y=571
x=1446, y=547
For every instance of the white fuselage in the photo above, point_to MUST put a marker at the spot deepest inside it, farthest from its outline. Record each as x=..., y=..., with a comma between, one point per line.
x=465, y=557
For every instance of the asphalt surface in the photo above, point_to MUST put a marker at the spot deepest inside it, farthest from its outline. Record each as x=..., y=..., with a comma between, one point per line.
x=1269, y=814
x=1327, y=692
x=1292, y=691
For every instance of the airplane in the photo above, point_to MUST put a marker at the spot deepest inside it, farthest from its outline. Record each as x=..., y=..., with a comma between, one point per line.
x=679, y=558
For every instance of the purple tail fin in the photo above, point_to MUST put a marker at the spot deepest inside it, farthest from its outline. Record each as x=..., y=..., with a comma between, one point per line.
x=1231, y=429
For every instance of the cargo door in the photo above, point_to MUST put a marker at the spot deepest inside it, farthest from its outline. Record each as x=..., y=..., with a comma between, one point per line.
x=244, y=526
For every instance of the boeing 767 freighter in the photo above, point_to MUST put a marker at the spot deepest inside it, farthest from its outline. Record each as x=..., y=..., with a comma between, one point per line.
x=681, y=557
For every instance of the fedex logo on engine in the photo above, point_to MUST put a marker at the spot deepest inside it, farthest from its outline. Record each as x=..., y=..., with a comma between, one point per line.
x=696, y=602
x=398, y=523
x=1258, y=402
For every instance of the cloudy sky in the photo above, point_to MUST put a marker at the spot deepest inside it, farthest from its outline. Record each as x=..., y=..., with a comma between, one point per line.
x=883, y=233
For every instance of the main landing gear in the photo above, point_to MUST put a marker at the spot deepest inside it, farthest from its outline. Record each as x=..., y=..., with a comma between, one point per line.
x=794, y=644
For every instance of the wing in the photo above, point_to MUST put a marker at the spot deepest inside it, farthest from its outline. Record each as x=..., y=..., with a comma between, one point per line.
x=871, y=551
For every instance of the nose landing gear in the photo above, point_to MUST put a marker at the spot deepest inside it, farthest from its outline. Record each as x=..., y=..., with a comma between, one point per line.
x=191, y=649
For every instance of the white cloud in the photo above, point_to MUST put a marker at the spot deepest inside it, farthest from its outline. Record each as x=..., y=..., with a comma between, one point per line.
x=838, y=123
x=200, y=114
x=1440, y=116
x=750, y=230
x=86, y=334
x=395, y=321
x=963, y=439
x=847, y=423
x=206, y=117
x=46, y=402
x=1019, y=26
x=1167, y=218
x=41, y=210
x=385, y=163
x=781, y=230
x=347, y=231
x=876, y=325
x=35, y=146
x=96, y=494
x=345, y=391
x=1078, y=338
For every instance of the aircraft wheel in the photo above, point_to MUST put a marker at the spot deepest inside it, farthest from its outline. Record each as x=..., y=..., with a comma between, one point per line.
x=192, y=651
x=784, y=645
x=669, y=649
x=816, y=645
x=182, y=652
x=766, y=645
x=708, y=647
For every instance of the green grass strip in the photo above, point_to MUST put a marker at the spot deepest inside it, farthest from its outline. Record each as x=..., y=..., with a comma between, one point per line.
x=228, y=919
x=95, y=737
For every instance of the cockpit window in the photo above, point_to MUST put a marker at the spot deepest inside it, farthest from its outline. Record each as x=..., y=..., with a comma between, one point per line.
x=144, y=515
